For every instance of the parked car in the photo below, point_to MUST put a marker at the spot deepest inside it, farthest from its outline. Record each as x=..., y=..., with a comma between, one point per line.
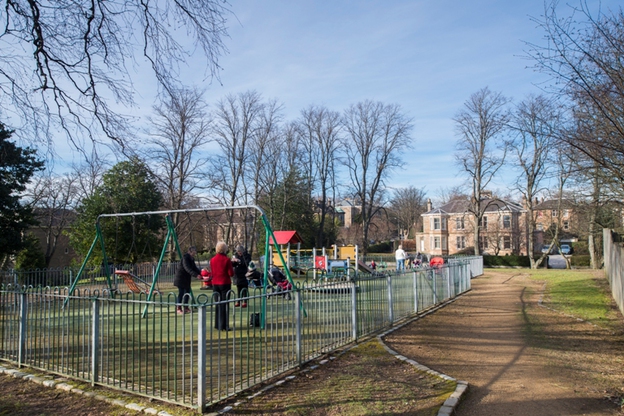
x=565, y=249
x=549, y=249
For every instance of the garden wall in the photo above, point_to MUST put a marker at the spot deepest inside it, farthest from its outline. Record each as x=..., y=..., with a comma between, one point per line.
x=614, y=266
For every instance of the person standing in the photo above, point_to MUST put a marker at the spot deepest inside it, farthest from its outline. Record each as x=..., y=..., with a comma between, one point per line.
x=241, y=260
x=222, y=272
x=400, y=255
x=182, y=280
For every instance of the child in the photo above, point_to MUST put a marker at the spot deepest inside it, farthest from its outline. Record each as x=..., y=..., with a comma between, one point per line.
x=206, y=280
x=254, y=276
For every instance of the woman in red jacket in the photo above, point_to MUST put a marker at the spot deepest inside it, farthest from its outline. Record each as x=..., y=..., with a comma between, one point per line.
x=222, y=272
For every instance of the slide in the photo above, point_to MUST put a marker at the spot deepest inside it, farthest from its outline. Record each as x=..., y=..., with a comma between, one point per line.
x=363, y=267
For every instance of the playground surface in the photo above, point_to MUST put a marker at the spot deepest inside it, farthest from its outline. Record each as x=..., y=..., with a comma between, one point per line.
x=518, y=356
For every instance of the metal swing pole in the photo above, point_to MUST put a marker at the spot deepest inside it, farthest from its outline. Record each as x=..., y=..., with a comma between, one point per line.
x=269, y=231
x=98, y=236
x=170, y=232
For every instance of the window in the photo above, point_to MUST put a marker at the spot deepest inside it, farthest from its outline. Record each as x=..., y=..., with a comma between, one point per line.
x=554, y=213
x=566, y=225
x=461, y=242
x=436, y=223
x=459, y=223
x=507, y=242
x=66, y=250
x=444, y=243
x=483, y=223
x=506, y=221
x=483, y=242
x=436, y=243
x=566, y=213
x=540, y=226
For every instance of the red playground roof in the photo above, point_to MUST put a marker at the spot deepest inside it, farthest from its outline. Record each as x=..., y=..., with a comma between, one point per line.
x=285, y=237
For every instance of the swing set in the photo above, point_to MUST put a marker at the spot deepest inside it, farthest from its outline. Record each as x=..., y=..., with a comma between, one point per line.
x=140, y=286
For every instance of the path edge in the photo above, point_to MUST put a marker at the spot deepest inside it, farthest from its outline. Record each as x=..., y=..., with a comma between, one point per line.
x=449, y=405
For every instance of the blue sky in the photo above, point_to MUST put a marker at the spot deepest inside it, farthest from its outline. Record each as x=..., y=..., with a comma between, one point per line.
x=426, y=56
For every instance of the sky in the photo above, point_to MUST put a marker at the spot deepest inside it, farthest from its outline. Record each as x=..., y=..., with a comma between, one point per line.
x=426, y=56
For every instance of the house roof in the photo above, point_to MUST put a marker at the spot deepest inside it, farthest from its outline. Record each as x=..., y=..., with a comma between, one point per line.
x=554, y=204
x=286, y=237
x=460, y=206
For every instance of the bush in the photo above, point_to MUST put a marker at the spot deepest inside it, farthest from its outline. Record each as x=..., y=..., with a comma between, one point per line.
x=383, y=247
x=580, y=247
x=581, y=260
x=506, y=261
x=408, y=245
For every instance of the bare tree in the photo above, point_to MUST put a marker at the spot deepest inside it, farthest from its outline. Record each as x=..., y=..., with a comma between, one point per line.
x=54, y=199
x=88, y=175
x=65, y=64
x=264, y=148
x=480, y=149
x=406, y=205
x=320, y=129
x=179, y=133
x=583, y=54
x=534, y=124
x=238, y=119
x=376, y=134
x=283, y=158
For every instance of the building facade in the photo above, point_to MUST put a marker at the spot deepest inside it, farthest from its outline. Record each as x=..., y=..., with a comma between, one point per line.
x=450, y=229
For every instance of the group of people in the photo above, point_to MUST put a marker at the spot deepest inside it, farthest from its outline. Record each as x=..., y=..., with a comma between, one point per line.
x=224, y=271
x=403, y=260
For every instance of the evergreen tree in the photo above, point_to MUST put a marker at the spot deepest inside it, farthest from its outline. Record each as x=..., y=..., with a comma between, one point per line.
x=31, y=256
x=127, y=187
x=17, y=166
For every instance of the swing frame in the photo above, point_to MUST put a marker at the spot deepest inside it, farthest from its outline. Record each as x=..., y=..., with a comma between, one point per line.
x=172, y=235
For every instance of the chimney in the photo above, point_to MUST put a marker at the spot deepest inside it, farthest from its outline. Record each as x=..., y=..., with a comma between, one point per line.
x=429, y=205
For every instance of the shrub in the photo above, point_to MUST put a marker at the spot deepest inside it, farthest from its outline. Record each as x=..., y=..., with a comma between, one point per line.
x=506, y=261
x=581, y=260
x=383, y=247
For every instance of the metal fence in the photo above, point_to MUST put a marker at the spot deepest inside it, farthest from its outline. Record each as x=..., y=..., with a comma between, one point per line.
x=146, y=348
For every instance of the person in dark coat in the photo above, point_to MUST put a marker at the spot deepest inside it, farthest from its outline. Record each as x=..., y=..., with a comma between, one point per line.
x=241, y=260
x=186, y=270
x=254, y=277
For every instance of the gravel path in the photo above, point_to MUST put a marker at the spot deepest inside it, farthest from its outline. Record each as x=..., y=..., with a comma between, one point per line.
x=483, y=338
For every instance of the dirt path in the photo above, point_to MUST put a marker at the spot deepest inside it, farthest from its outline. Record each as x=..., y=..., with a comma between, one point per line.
x=481, y=339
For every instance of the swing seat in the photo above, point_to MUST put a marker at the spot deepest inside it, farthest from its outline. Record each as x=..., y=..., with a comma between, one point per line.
x=133, y=282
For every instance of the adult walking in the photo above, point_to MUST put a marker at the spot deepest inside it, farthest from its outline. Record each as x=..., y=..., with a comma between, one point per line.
x=182, y=280
x=241, y=260
x=222, y=272
x=400, y=256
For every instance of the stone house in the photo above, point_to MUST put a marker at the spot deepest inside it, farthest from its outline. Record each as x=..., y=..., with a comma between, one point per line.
x=449, y=229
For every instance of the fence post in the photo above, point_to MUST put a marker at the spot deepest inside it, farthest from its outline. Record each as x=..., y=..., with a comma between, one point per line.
x=448, y=282
x=390, y=308
x=354, y=316
x=298, y=340
x=23, y=330
x=201, y=358
x=415, y=281
x=434, y=279
x=95, y=342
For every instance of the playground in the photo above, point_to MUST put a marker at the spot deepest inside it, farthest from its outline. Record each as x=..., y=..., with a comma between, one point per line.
x=125, y=334
x=565, y=366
